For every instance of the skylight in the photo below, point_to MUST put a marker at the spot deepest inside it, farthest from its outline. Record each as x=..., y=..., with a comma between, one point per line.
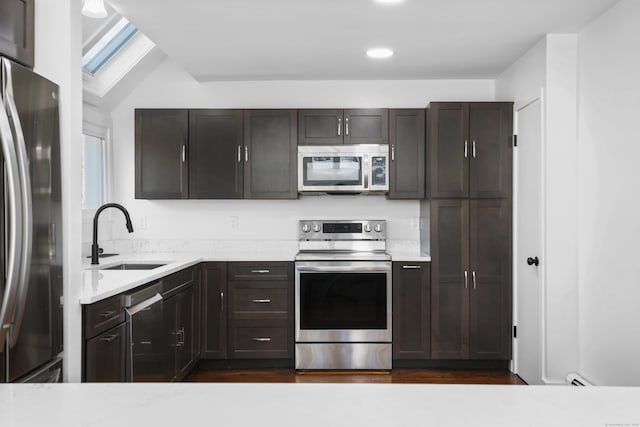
x=108, y=46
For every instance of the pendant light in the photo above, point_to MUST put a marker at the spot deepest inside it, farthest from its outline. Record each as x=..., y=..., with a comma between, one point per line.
x=94, y=9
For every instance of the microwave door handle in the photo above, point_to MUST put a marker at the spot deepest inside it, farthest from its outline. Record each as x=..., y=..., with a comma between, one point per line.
x=366, y=171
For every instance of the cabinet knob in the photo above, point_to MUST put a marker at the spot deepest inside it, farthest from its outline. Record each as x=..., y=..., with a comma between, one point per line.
x=533, y=261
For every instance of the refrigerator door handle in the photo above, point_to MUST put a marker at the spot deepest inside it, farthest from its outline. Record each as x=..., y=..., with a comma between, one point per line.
x=27, y=215
x=14, y=210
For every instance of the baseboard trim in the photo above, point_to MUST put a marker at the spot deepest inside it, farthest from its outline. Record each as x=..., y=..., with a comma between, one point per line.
x=451, y=364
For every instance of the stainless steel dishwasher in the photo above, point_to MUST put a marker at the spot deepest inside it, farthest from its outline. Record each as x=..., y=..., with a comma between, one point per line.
x=146, y=350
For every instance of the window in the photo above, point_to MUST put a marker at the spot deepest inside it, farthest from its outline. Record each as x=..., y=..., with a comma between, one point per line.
x=108, y=46
x=93, y=171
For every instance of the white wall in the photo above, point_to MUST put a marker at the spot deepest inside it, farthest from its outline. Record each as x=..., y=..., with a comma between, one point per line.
x=189, y=223
x=549, y=70
x=608, y=176
x=57, y=56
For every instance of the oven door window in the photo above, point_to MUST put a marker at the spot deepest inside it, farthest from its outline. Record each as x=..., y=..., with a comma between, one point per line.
x=332, y=170
x=343, y=301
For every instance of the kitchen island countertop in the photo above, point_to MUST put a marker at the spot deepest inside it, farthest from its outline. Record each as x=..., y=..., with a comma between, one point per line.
x=280, y=404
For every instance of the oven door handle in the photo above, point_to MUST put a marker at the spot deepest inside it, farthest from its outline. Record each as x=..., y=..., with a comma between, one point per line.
x=344, y=269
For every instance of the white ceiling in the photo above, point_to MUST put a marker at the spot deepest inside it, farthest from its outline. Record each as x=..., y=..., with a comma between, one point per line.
x=326, y=39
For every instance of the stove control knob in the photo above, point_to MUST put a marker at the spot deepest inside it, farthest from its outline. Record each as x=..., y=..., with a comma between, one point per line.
x=317, y=228
x=367, y=228
x=306, y=228
x=378, y=227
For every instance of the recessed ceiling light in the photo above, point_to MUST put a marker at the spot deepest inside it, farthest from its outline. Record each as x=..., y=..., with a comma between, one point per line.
x=380, y=53
x=389, y=1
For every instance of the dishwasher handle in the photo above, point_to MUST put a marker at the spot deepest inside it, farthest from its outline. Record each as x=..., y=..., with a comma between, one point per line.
x=143, y=305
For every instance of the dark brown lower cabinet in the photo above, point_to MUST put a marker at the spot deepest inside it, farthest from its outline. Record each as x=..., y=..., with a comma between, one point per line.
x=179, y=322
x=411, y=310
x=247, y=310
x=105, y=356
x=471, y=279
x=214, y=314
x=107, y=351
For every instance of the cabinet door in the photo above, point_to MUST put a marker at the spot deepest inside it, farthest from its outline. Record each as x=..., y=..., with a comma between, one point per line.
x=216, y=154
x=490, y=284
x=197, y=314
x=491, y=134
x=411, y=310
x=214, y=312
x=450, y=279
x=105, y=356
x=407, y=140
x=320, y=127
x=366, y=126
x=184, y=332
x=161, y=145
x=270, y=172
x=449, y=150
x=17, y=30
x=169, y=314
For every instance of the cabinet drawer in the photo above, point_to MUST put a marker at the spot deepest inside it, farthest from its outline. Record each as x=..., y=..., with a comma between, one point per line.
x=102, y=315
x=253, y=339
x=260, y=271
x=175, y=282
x=251, y=300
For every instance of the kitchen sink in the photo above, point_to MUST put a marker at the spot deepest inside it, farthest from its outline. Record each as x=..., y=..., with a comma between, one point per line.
x=133, y=266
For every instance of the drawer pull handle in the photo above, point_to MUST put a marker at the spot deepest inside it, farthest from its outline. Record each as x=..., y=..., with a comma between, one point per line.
x=260, y=271
x=107, y=314
x=110, y=338
x=262, y=339
x=412, y=267
x=145, y=342
x=262, y=301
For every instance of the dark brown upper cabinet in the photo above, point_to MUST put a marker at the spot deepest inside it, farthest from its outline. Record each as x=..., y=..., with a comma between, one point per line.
x=161, y=144
x=471, y=279
x=407, y=154
x=17, y=30
x=470, y=149
x=270, y=157
x=216, y=154
x=336, y=126
x=411, y=310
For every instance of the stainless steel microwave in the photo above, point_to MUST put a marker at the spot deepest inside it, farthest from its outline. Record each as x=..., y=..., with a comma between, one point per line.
x=358, y=168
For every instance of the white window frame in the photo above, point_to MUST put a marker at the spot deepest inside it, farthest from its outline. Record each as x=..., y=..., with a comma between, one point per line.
x=104, y=133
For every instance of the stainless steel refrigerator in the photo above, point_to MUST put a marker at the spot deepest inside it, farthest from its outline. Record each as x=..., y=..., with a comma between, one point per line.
x=30, y=227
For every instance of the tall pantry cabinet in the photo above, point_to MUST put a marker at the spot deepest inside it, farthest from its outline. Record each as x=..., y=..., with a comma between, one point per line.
x=470, y=189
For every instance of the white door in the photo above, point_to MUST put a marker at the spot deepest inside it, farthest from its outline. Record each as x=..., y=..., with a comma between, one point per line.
x=529, y=244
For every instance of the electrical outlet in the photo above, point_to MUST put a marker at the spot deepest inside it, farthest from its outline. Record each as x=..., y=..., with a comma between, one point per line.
x=142, y=222
x=233, y=221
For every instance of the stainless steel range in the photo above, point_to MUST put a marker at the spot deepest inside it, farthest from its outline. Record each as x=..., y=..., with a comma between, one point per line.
x=343, y=296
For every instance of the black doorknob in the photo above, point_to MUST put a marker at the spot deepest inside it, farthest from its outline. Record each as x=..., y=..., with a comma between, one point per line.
x=533, y=261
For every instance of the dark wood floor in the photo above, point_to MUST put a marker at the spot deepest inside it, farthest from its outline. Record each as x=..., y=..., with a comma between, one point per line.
x=406, y=376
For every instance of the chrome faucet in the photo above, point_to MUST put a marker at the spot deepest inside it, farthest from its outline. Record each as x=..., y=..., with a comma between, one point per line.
x=94, y=246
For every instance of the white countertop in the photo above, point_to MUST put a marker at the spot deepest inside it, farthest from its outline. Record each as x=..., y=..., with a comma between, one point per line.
x=98, y=284
x=281, y=404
